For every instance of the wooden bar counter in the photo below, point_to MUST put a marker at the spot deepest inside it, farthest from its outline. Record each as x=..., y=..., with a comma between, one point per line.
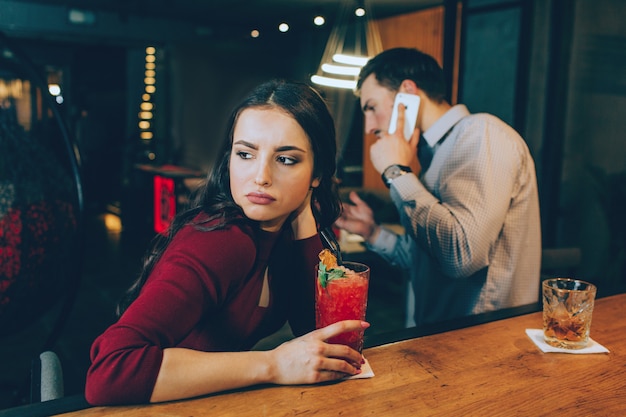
x=489, y=369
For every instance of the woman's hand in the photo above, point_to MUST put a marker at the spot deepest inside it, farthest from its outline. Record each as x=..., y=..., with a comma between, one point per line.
x=309, y=359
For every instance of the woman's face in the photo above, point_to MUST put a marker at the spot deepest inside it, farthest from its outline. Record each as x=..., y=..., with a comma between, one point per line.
x=271, y=166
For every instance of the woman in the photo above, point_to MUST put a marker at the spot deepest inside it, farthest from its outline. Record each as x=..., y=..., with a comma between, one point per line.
x=235, y=267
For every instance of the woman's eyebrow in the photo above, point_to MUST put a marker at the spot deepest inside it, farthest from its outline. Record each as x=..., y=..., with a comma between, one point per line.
x=246, y=143
x=283, y=148
x=289, y=148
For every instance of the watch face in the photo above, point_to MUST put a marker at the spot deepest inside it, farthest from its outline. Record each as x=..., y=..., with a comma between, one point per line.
x=393, y=172
x=396, y=171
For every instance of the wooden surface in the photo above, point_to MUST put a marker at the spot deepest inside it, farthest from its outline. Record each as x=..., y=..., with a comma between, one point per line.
x=488, y=370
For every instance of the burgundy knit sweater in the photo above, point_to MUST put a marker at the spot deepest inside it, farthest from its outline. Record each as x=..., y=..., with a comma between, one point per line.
x=204, y=294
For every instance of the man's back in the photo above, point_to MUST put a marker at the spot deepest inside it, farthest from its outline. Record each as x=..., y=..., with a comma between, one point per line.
x=474, y=220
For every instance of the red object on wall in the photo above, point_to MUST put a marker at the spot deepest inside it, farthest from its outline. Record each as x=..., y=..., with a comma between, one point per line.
x=164, y=203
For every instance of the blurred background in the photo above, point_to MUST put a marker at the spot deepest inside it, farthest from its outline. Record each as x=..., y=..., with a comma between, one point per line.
x=124, y=104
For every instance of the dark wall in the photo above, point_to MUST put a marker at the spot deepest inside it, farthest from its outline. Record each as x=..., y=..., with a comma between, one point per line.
x=207, y=79
x=593, y=178
x=573, y=101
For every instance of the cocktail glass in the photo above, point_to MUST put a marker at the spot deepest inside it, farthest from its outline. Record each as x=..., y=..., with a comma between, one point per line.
x=343, y=298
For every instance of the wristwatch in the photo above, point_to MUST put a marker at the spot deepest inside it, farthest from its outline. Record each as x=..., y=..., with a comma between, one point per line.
x=394, y=171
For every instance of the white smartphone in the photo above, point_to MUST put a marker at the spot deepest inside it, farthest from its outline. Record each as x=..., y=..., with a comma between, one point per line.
x=412, y=104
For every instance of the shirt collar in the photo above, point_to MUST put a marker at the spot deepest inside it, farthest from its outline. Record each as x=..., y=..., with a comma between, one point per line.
x=445, y=123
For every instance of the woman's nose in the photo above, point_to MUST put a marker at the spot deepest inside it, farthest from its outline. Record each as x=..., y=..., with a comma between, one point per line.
x=263, y=175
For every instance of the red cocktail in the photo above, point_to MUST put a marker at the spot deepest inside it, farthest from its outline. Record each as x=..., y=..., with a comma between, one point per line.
x=342, y=298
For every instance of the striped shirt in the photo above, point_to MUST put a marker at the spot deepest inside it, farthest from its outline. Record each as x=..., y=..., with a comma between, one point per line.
x=473, y=234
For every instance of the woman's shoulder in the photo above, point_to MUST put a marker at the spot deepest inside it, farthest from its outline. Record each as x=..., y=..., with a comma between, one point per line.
x=203, y=233
x=202, y=257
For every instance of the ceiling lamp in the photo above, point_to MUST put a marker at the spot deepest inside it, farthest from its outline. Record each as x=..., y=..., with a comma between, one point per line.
x=353, y=40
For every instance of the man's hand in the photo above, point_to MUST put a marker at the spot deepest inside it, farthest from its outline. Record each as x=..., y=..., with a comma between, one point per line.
x=394, y=149
x=358, y=218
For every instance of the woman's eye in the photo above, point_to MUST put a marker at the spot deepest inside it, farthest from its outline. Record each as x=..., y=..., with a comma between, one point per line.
x=286, y=160
x=244, y=155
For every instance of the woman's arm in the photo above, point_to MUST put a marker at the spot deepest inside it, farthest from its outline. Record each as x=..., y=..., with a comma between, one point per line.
x=136, y=361
x=308, y=359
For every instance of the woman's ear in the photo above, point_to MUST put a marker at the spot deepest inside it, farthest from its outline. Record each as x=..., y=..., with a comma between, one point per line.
x=315, y=183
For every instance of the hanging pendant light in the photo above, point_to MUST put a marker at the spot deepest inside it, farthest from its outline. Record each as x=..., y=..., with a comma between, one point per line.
x=353, y=40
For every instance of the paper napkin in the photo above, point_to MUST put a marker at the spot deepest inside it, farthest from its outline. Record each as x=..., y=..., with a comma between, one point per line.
x=366, y=372
x=536, y=335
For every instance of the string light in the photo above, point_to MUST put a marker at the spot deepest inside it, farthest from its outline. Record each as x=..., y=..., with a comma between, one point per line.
x=146, y=107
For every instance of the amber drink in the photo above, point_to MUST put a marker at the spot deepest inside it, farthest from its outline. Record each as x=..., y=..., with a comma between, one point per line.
x=342, y=296
x=567, y=309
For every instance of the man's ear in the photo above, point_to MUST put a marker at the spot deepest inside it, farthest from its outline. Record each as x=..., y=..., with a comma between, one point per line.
x=409, y=86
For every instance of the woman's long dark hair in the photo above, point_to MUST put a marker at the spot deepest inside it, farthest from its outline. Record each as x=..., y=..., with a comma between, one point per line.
x=308, y=108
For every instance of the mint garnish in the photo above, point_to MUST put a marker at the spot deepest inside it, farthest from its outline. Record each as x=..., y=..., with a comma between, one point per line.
x=325, y=276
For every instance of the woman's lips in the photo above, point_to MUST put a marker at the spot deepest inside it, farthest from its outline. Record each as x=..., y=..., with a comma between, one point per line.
x=260, y=198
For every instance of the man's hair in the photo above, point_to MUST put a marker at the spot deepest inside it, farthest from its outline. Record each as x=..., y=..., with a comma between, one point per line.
x=393, y=66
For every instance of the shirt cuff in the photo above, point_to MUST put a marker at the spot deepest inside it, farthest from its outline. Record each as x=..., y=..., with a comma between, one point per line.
x=406, y=187
x=385, y=242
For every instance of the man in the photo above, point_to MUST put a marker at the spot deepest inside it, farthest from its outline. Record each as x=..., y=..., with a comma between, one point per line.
x=470, y=211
